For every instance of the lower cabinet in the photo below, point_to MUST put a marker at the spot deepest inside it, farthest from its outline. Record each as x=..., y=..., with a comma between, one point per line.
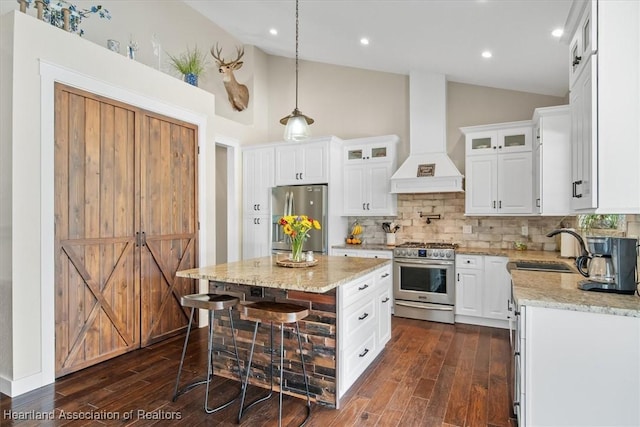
x=364, y=324
x=577, y=368
x=482, y=290
x=257, y=236
x=362, y=253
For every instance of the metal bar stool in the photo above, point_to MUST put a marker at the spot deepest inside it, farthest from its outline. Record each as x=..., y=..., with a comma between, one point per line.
x=266, y=311
x=212, y=303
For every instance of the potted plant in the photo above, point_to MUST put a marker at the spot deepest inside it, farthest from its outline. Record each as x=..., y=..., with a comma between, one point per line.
x=190, y=64
x=597, y=224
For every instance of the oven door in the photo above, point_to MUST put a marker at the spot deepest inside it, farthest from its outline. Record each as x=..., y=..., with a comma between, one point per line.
x=424, y=281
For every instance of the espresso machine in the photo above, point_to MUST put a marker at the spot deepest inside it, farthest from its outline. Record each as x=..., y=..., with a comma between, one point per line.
x=611, y=265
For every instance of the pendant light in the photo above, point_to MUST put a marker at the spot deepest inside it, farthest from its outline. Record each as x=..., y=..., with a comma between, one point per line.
x=297, y=124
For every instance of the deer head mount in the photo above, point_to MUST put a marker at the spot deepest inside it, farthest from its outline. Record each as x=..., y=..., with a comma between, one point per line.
x=238, y=93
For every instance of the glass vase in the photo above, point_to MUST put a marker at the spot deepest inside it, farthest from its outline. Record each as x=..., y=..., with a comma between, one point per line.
x=296, y=250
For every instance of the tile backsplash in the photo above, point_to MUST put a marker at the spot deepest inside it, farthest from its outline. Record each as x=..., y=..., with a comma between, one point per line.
x=486, y=231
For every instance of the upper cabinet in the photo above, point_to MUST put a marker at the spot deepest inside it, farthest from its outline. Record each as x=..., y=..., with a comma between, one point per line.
x=368, y=164
x=498, y=169
x=302, y=163
x=551, y=160
x=604, y=67
x=513, y=138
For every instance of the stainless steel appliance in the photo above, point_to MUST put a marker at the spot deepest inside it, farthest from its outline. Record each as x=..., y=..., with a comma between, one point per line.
x=611, y=265
x=423, y=281
x=310, y=200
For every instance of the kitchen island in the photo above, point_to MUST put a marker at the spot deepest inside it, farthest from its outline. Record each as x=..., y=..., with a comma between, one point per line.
x=349, y=302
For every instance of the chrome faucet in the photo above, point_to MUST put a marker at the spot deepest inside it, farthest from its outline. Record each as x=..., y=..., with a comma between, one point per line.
x=583, y=248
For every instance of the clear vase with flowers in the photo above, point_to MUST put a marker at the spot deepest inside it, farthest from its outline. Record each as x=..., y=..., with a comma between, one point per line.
x=297, y=227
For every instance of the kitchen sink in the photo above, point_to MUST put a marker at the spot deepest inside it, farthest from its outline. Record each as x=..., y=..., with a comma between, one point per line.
x=557, y=267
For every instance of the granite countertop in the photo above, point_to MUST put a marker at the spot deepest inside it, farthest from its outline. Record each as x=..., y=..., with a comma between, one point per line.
x=558, y=290
x=329, y=273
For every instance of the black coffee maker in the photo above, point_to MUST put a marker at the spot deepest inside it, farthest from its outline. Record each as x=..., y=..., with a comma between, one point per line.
x=609, y=265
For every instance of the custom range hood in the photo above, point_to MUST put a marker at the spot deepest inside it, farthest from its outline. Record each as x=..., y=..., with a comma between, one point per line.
x=428, y=140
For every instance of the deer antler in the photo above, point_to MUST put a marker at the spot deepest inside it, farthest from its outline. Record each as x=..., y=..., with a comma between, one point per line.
x=217, y=53
x=239, y=54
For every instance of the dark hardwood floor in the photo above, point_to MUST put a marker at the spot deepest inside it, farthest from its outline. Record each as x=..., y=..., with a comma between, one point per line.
x=430, y=374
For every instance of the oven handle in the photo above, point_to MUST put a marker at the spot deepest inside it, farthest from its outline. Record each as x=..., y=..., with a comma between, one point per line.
x=429, y=306
x=424, y=262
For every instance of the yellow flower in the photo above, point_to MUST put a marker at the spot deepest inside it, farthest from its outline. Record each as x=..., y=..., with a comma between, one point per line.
x=316, y=224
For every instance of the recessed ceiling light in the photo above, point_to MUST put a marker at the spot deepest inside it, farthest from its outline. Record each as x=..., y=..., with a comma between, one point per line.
x=558, y=32
x=364, y=41
x=273, y=32
x=487, y=54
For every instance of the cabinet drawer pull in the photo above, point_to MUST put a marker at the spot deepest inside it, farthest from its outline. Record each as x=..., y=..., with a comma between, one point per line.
x=576, y=60
x=494, y=204
x=362, y=288
x=500, y=204
x=385, y=275
x=363, y=206
x=364, y=316
x=537, y=203
x=385, y=300
x=364, y=353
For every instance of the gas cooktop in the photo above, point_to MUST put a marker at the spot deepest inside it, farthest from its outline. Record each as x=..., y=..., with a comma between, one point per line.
x=428, y=250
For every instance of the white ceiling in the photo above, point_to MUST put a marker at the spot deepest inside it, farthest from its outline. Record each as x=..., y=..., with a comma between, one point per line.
x=443, y=36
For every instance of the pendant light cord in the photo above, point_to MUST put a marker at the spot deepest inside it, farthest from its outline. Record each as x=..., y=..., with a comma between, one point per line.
x=296, y=55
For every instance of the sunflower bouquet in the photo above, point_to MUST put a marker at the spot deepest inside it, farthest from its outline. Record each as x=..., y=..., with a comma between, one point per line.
x=297, y=228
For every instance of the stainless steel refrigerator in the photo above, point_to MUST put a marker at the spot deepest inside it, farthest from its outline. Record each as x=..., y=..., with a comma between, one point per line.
x=310, y=200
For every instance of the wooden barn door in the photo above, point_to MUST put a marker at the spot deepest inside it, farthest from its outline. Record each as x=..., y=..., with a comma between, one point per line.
x=169, y=219
x=115, y=184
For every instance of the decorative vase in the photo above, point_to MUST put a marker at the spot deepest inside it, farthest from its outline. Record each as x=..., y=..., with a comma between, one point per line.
x=191, y=78
x=296, y=250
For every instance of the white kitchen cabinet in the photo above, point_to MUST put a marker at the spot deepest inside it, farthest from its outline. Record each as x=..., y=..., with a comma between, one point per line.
x=499, y=174
x=552, y=160
x=584, y=142
x=482, y=290
x=256, y=240
x=258, y=179
x=302, y=163
x=365, y=326
x=511, y=137
x=605, y=106
x=497, y=288
x=499, y=184
x=469, y=285
x=362, y=253
x=384, y=287
x=368, y=166
x=578, y=368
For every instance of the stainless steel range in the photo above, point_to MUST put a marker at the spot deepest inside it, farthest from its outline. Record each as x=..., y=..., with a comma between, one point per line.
x=423, y=281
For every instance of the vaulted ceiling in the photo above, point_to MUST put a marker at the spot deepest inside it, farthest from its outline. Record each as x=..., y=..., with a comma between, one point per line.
x=444, y=36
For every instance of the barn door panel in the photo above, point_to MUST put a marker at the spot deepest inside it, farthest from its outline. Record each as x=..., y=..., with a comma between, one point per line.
x=168, y=219
x=97, y=285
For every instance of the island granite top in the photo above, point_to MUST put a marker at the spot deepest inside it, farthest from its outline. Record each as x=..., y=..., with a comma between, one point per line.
x=558, y=290
x=329, y=273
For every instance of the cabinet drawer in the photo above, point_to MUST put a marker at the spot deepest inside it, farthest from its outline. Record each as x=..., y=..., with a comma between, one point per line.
x=357, y=359
x=469, y=261
x=383, y=277
x=357, y=290
x=359, y=321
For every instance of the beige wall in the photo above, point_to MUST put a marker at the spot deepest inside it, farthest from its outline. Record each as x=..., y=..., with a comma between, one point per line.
x=469, y=105
x=346, y=102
